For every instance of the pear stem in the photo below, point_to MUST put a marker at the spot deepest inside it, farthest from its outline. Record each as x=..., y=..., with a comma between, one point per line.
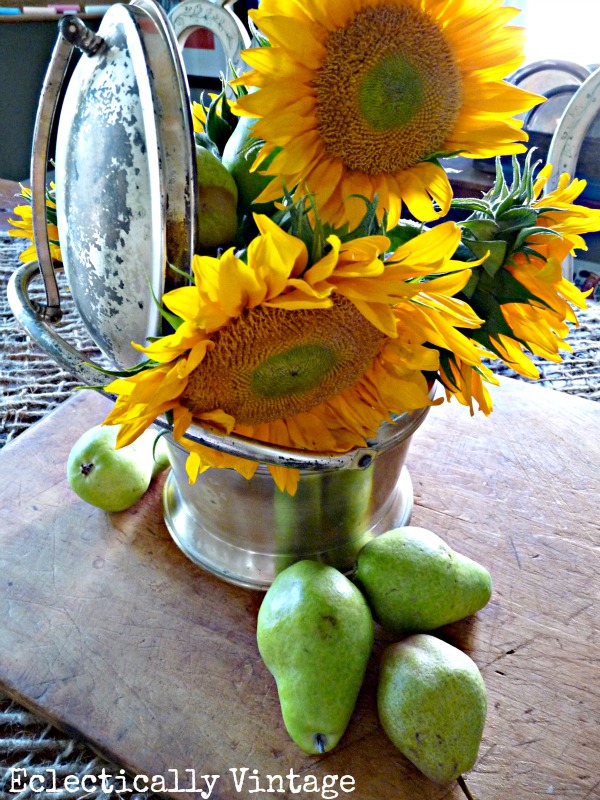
x=462, y=783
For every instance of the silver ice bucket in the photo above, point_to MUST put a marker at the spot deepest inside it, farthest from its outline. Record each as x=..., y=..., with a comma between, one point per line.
x=247, y=531
x=126, y=189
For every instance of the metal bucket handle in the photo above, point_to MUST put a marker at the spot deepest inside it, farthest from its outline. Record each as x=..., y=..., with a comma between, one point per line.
x=35, y=317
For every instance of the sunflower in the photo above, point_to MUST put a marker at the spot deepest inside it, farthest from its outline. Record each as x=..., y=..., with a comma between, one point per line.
x=309, y=356
x=364, y=96
x=520, y=289
x=200, y=111
x=24, y=227
x=541, y=323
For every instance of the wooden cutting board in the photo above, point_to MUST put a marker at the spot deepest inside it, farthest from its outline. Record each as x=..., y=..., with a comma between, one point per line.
x=108, y=631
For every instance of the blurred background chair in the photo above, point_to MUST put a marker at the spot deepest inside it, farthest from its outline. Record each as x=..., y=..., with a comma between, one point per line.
x=575, y=148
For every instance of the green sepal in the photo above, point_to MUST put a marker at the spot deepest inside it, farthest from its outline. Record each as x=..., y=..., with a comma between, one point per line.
x=368, y=223
x=204, y=140
x=529, y=252
x=406, y=230
x=258, y=36
x=98, y=387
x=173, y=320
x=434, y=157
x=533, y=231
x=238, y=91
x=507, y=204
x=492, y=293
x=503, y=288
x=470, y=204
x=294, y=220
x=482, y=229
x=179, y=272
x=496, y=251
x=445, y=358
x=472, y=283
x=517, y=218
x=496, y=257
x=227, y=114
x=499, y=189
x=218, y=129
x=122, y=373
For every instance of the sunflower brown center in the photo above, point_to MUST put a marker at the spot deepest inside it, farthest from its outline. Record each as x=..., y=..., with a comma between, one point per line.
x=389, y=91
x=270, y=364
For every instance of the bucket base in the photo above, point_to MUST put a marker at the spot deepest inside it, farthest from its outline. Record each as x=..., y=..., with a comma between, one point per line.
x=256, y=570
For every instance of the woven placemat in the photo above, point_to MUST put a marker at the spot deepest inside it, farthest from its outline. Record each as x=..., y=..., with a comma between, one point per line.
x=31, y=384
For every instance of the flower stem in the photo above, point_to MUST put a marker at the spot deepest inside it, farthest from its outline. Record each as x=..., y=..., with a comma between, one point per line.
x=466, y=791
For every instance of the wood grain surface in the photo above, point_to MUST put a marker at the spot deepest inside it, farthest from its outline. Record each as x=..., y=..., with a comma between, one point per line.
x=108, y=631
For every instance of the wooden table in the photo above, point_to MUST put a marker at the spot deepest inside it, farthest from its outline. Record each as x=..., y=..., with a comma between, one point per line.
x=107, y=630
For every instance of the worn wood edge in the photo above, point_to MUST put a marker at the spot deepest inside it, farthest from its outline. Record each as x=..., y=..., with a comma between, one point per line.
x=96, y=416
x=72, y=732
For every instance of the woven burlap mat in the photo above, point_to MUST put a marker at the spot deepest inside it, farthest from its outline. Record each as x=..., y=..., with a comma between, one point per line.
x=31, y=384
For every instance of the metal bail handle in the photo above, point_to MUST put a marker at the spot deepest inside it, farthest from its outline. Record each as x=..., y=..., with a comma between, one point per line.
x=72, y=33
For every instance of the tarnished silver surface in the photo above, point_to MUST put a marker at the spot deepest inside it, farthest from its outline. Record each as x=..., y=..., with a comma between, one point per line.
x=110, y=193
x=246, y=532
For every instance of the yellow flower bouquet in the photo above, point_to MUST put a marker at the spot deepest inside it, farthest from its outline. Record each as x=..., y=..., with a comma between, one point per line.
x=323, y=312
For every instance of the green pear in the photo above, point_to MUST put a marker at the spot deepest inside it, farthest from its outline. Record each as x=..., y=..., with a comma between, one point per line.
x=432, y=704
x=414, y=582
x=239, y=155
x=315, y=635
x=109, y=478
x=217, y=200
